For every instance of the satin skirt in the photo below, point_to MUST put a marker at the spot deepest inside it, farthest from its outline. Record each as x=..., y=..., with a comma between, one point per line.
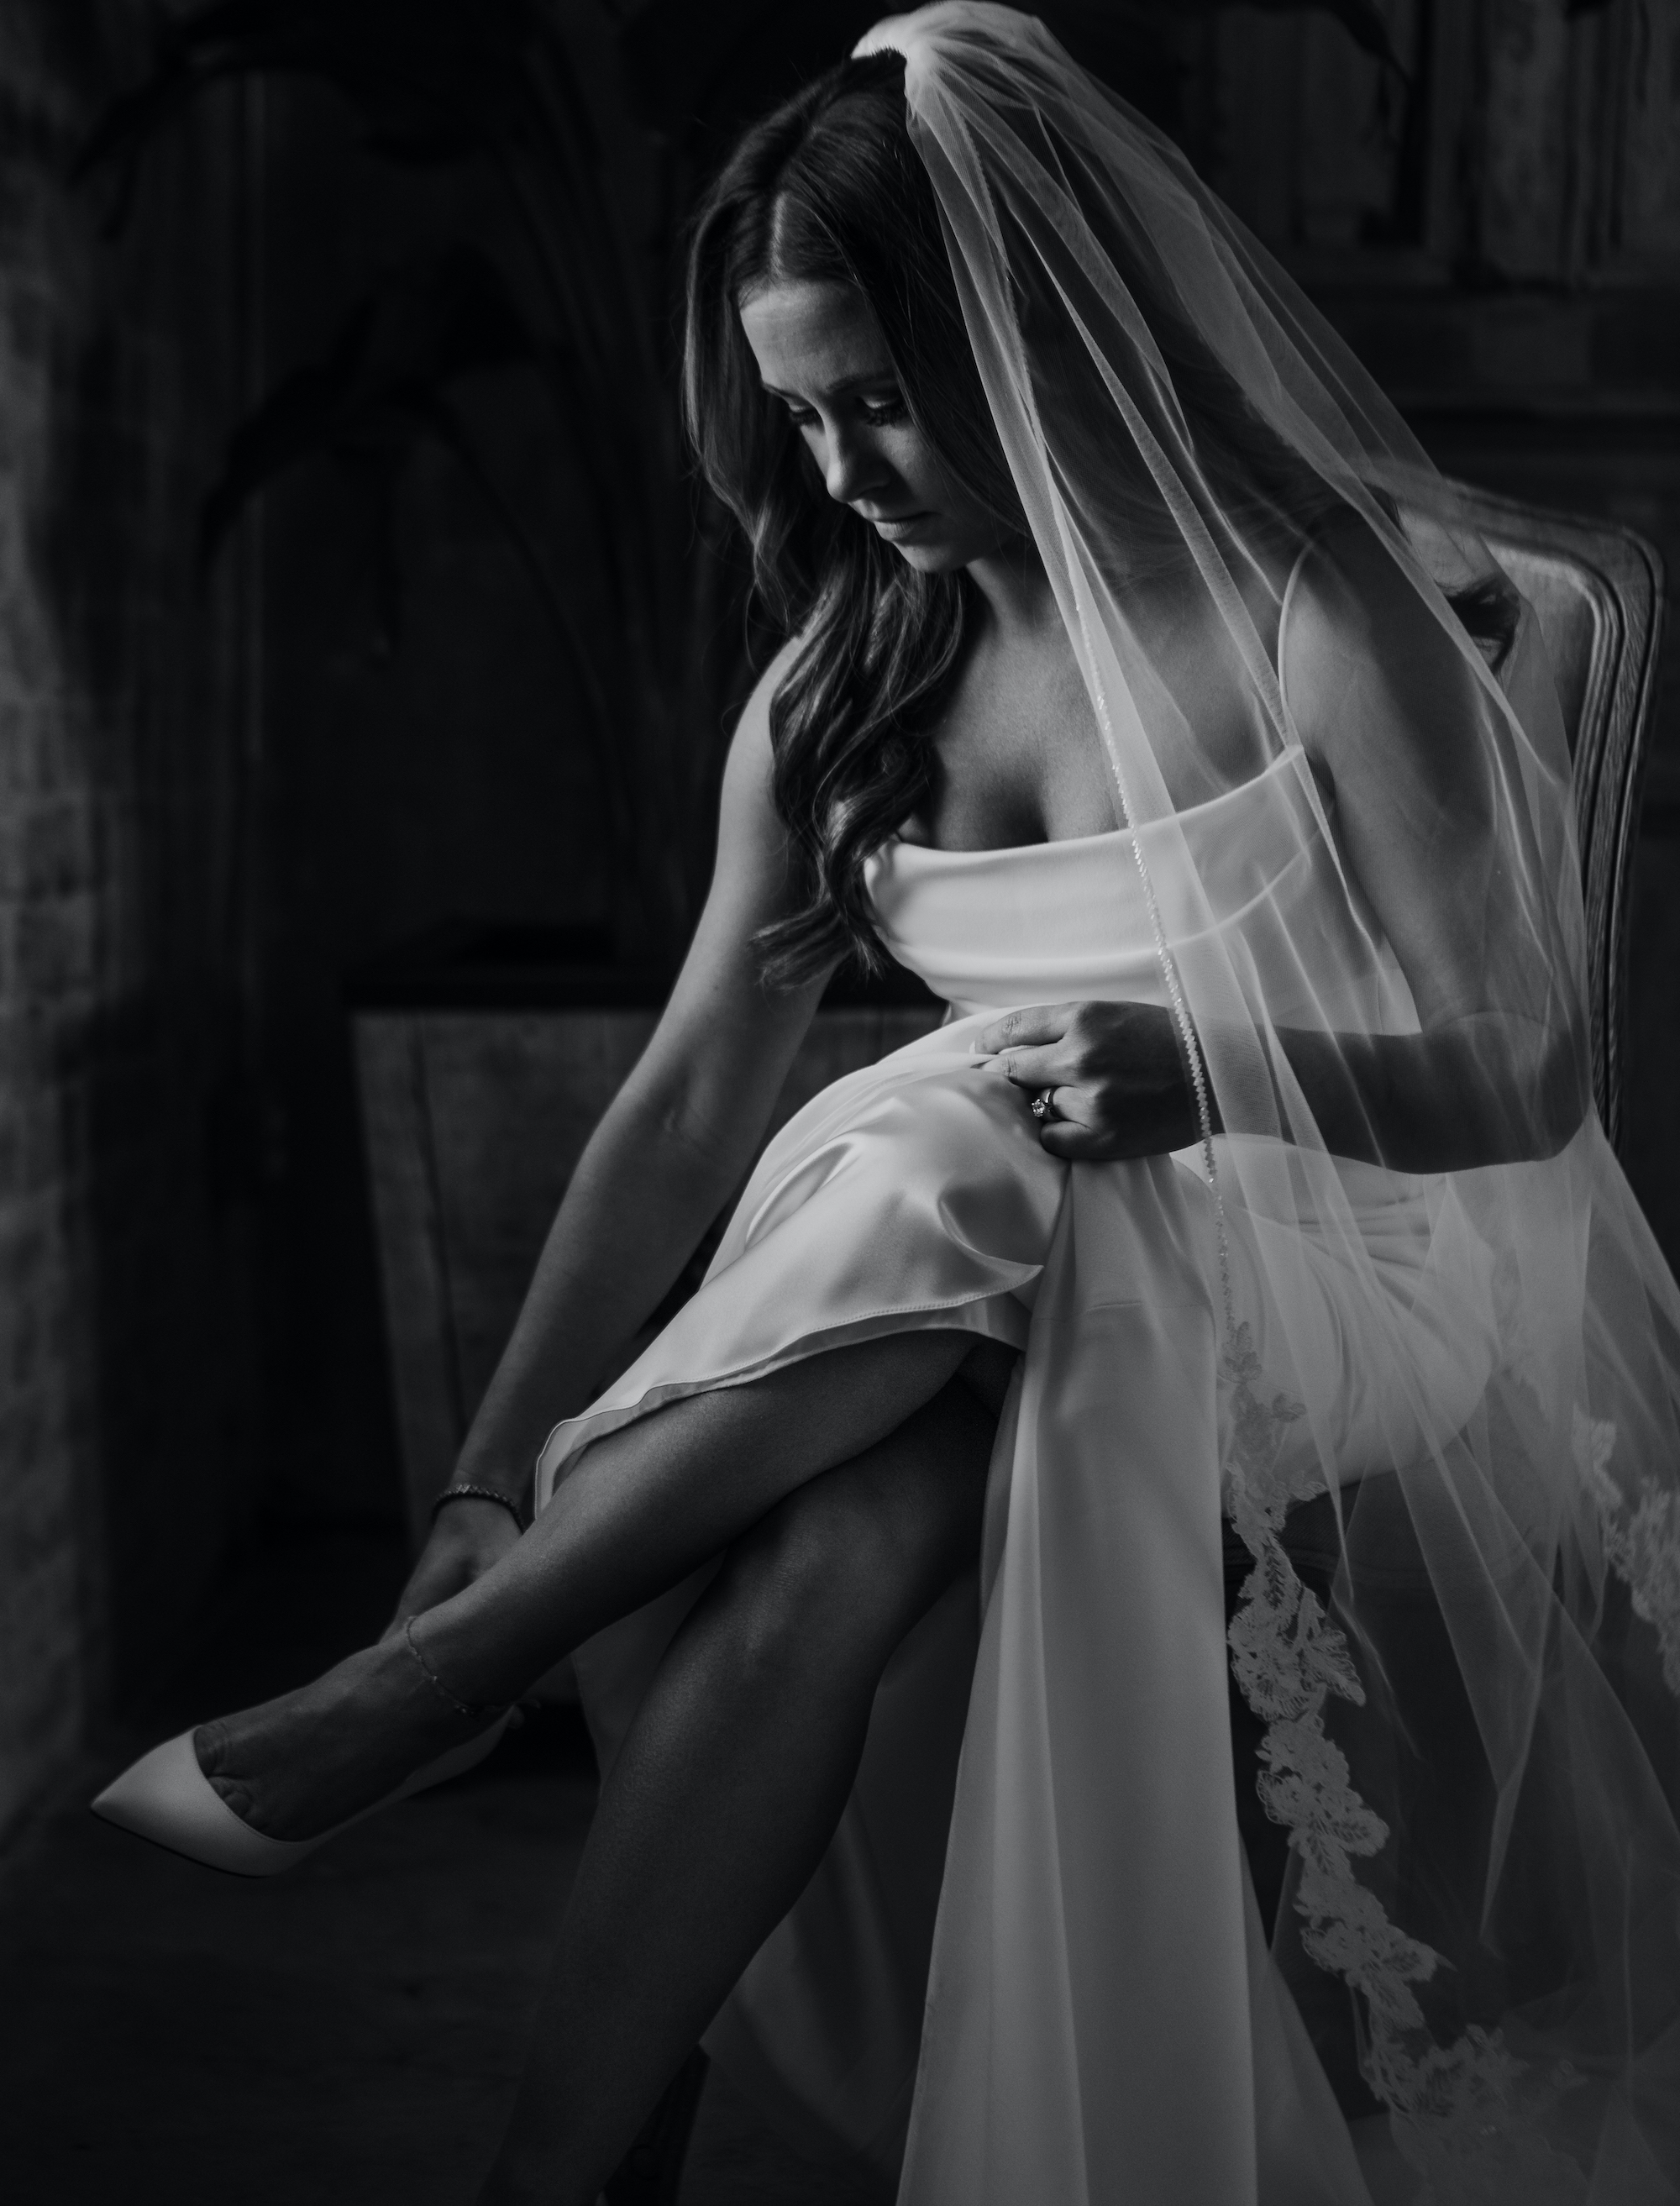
x=1031, y=1967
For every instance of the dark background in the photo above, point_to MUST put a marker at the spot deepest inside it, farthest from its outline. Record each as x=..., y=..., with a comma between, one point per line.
x=218, y=798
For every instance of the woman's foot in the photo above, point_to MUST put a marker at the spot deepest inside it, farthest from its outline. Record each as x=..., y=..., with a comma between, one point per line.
x=294, y=1766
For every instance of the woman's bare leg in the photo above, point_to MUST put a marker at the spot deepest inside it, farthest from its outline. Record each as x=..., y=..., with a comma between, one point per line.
x=644, y=1507
x=730, y=1786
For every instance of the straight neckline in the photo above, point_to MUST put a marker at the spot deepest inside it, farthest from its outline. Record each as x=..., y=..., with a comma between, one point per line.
x=938, y=851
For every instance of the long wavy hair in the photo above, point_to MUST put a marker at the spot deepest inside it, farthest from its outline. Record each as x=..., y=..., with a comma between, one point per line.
x=830, y=189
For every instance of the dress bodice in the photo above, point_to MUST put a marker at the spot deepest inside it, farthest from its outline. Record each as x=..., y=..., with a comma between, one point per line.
x=1051, y=922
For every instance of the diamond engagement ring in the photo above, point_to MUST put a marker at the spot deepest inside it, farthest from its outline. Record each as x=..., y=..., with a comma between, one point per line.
x=1041, y=1107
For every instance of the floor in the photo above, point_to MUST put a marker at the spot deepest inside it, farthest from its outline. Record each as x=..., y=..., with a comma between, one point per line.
x=345, y=2036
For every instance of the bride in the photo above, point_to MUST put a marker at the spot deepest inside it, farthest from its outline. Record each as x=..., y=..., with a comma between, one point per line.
x=1248, y=1223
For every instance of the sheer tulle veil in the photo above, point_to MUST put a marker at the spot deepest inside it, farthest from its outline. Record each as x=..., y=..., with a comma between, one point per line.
x=1470, y=1730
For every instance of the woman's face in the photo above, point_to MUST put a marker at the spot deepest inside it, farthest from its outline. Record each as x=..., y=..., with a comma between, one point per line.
x=821, y=354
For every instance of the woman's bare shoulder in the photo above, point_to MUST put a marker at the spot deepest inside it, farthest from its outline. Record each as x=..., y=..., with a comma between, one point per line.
x=1363, y=648
x=719, y=1003
x=1344, y=595
x=748, y=771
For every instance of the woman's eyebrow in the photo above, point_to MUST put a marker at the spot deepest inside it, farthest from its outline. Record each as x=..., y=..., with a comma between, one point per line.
x=838, y=389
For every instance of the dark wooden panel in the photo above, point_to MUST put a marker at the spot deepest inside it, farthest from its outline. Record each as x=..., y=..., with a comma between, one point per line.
x=514, y=1099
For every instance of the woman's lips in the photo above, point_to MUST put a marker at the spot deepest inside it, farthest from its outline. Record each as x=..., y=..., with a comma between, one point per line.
x=894, y=526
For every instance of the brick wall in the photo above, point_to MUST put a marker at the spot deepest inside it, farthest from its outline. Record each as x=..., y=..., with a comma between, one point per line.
x=122, y=1236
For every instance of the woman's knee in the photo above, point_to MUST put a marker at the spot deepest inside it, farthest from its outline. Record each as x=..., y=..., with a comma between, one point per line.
x=814, y=1578
x=852, y=1558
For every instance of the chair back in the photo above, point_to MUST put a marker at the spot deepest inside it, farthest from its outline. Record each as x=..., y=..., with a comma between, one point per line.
x=1598, y=590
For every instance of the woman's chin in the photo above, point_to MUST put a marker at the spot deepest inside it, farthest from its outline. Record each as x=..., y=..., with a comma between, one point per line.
x=934, y=546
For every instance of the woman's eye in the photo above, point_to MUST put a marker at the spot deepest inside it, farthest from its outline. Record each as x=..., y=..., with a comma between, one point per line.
x=883, y=413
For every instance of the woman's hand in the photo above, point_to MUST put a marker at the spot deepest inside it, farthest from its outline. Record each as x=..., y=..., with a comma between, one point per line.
x=1114, y=1073
x=467, y=1537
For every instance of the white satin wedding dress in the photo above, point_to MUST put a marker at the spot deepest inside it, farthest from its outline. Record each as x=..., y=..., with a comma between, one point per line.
x=1103, y=2020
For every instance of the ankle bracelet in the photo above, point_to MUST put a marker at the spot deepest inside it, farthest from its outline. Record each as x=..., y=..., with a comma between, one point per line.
x=474, y=1712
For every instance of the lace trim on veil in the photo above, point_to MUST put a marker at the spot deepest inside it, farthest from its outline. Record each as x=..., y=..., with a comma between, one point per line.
x=1641, y=1538
x=1463, y=2115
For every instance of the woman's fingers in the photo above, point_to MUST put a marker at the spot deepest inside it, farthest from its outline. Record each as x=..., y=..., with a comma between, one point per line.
x=1072, y=1106
x=1112, y=1074
x=1075, y=1143
x=1038, y=1023
x=1035, y=1068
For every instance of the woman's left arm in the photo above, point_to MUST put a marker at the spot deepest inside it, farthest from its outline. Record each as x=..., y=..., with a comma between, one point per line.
x=1394, y=720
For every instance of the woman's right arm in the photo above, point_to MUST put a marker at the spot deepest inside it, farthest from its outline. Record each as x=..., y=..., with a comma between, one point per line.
x=671, y=1150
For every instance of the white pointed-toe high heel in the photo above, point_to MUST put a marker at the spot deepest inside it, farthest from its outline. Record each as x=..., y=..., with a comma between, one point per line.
x=166, y=1797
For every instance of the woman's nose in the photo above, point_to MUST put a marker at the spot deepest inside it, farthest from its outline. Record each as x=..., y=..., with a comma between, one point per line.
x=850, y=470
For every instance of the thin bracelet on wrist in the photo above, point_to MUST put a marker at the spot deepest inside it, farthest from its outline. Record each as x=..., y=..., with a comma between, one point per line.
x=465, y=1491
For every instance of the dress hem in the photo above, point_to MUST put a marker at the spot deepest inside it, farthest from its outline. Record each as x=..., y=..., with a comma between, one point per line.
x=957, y=1311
